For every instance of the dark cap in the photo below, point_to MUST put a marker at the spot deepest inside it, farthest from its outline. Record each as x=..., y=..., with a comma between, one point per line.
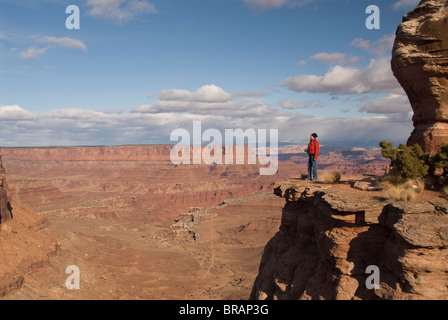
x=314, y=135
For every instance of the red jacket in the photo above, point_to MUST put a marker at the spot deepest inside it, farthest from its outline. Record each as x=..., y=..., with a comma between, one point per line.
x=313, y=148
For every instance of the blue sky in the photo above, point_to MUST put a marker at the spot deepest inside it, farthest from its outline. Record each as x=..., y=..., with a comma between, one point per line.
x=138, y=69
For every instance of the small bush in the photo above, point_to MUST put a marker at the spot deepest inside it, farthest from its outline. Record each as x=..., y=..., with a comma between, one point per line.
x=332, y=177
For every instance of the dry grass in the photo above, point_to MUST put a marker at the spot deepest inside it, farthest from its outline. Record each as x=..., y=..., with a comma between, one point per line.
x=400, y=193
x=333, y=177
x=399, y=189
x=445, y=190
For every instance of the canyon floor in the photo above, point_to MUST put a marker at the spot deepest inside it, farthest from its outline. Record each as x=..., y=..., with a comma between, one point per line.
x=136, y=226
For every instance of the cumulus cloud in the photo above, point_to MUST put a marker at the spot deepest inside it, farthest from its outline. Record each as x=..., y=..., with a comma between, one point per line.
x=377, y=77
x=33, y=53
x=65, y=42
x=393, y=103
x=405, y=4
x=15, y=112
x=207, y=93
x=119, y=11
x=209, y=99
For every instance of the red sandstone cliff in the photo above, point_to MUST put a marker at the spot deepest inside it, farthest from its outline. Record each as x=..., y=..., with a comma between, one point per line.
x=23, y=249
x=420, y=63
x=5, y=206
x=329, y=235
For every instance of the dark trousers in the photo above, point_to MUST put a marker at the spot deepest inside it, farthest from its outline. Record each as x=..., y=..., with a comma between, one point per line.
x=312, y=170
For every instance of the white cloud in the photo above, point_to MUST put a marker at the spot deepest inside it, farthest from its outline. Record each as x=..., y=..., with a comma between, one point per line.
x=393, y=103
x=14, y=112
x=377, y=48
x=361, y=43
x=264, y=5
x=377, y=77
x=119, y=11
x=261, y=5
x=209, y=99
x=65, y=42
x=33, y=53
x=405, y=4
x=293, y=104
x=207, y=93
x=353, y=60
x=3, y=36
x=329, y=58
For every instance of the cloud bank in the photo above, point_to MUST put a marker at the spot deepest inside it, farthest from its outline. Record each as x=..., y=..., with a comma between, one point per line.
x=211, y=105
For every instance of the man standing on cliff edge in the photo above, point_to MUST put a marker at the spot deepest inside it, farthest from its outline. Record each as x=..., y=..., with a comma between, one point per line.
x=313, y=153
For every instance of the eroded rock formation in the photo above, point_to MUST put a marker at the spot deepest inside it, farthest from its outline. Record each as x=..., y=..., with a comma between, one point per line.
x=420, y=63
x=5, y=206
x=330, y=235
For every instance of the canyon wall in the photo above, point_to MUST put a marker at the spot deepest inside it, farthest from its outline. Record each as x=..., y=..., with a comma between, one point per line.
x=420, y=64
x=329, y=235
x=132, y=183
x=5, y=206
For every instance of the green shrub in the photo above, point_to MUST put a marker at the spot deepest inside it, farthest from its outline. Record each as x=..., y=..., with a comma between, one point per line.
x=440, y=160
x=410, y=161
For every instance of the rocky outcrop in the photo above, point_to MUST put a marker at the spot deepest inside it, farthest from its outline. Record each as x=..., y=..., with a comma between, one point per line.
x=5, y=206
x=330, y=235
x=420, y=63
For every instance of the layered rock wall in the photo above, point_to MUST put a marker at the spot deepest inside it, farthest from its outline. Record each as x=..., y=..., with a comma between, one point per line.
x=5, y=206
x=420, y=64
x=329, y=236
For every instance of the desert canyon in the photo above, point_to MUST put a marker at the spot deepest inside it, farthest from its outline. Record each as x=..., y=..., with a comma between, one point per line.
x=140, y=227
